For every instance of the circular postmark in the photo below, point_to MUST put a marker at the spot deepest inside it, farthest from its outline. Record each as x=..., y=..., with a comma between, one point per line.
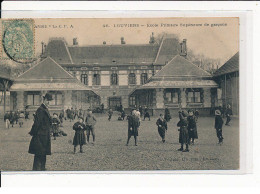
x=18, y=40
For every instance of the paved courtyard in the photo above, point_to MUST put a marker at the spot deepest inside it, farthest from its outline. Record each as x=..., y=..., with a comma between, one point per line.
x=110, y=152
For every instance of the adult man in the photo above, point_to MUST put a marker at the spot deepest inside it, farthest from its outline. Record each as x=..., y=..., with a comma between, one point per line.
x=90, y=125
x=133, y=125
x=40, y=144
x=228, y=114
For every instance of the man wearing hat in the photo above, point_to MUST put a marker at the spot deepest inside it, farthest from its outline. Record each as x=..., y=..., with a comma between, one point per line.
x=184, y=134
x=40, y=144
x=218, y=126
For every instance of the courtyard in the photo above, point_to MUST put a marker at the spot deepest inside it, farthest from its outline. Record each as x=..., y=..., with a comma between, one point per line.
x=110, y=153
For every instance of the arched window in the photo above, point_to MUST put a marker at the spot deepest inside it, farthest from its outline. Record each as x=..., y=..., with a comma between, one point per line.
x=131, y=79
x=114, y=79
x=96, y=79
x=144, y=78
x=84, y=79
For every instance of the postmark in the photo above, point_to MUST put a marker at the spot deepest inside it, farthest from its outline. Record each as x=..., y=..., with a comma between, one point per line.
x=18, y=40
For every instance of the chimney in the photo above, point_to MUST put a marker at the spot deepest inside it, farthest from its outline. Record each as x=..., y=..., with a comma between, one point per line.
x=122, y=40
x=183, y=45
x=104, y=42
x=75, y=41
x=152, y=39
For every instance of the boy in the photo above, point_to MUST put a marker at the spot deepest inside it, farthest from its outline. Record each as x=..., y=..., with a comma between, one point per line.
x=55, y=125
x=90, y=123
x=162, y=127
x=218, y=126
x=79, y=137
x=183, y=135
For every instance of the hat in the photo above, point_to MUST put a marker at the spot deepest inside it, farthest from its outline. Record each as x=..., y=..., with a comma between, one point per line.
x=217, y=112
x=184, y=113
x=48, y=97
x=55, y=114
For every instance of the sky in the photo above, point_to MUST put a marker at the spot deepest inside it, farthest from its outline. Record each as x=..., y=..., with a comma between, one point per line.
x=216, y=38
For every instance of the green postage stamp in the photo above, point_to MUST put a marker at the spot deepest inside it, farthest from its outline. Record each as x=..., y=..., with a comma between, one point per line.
x=18, y=40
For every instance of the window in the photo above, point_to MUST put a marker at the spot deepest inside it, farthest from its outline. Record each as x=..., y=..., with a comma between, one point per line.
x=143, y=78
x=132, y=100
x=96, y=79
x=194, y=96
x=33, y=99
x=57, y=99
x=132, y=80
x=114, y=79
x=84, y=79
x=171, y=96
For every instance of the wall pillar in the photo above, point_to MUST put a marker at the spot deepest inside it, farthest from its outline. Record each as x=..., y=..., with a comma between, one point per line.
x=67, y=99
x=159, y=98
x=183, y=98
x=20, y=100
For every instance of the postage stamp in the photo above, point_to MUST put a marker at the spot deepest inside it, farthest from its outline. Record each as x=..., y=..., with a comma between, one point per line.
x=18, y=40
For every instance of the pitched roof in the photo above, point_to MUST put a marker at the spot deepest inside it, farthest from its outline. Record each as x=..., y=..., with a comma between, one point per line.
x=181, y=67
x=58, y=50
x=47, y=75
x=180, y=84
x=232, y=65
x=168, y=49
x=114, y=53
x=108, y=54
x=46, y=69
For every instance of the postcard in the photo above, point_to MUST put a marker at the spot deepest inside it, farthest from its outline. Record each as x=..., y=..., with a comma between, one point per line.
x=119, y=94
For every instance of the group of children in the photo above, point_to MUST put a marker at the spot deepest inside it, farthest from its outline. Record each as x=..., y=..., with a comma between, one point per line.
x=16, y=117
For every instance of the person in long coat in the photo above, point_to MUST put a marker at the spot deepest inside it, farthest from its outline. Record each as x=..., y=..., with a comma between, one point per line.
x=218, y=126
x=162, y=127
x=40, y=144
x=184, y=134
x=146, y=114
x=192, y=127
x=167, y=115
x=79, y=137
x=133, y=125
x=7, y=120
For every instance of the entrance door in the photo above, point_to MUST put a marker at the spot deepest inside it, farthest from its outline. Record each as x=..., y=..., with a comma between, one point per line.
x=114, y=102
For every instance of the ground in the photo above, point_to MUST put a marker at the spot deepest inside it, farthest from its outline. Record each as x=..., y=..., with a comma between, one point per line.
x=110, y=153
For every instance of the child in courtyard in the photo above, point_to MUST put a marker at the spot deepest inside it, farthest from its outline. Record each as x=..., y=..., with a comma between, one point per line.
x=162, y=127
x=192, y=127
x=110, y=113
x=79, y=137
x=21, y=119
x=184, y=134
x=218, y=126
x=55, y=125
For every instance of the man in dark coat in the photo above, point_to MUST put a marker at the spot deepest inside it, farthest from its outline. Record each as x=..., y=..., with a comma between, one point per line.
x=218, y=126
x=184, y=134
x=133, y=125
x=228, y=114
x=40, y=144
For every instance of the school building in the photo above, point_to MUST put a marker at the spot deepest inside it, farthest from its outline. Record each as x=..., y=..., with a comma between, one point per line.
x=152, y=75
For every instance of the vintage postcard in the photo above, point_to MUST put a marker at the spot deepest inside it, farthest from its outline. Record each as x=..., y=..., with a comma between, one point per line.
x=122, y=94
